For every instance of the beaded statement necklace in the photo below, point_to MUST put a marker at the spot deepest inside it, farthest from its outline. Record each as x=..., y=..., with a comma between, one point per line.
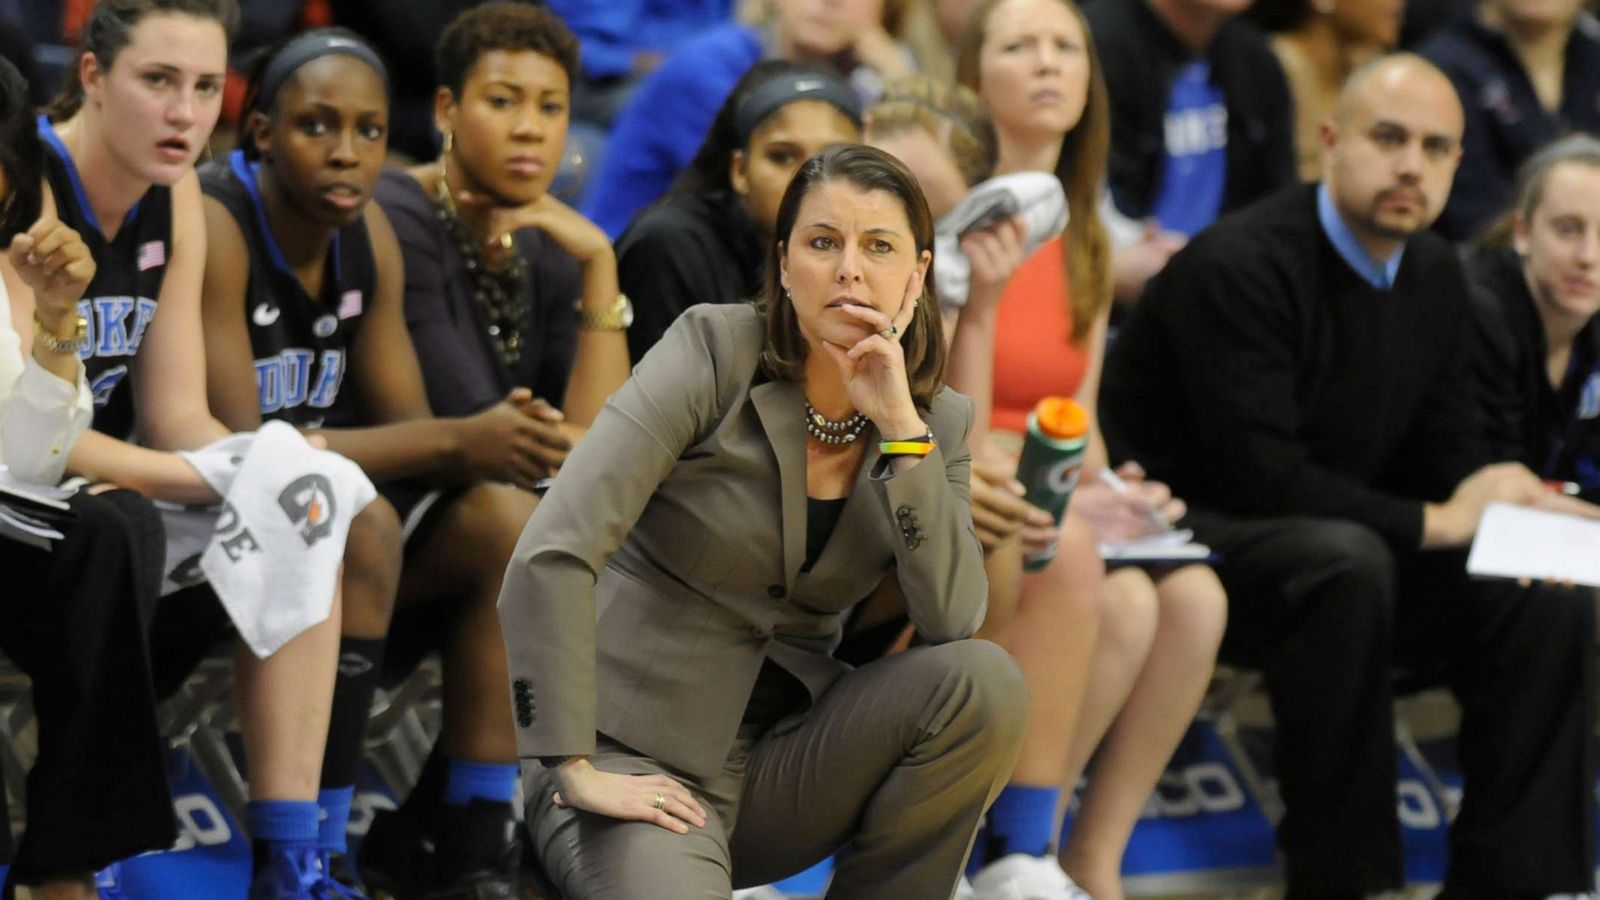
x=501, y=295
x=829, y=431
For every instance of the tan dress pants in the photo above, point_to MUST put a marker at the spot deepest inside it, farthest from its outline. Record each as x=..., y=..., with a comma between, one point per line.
x=892, y=768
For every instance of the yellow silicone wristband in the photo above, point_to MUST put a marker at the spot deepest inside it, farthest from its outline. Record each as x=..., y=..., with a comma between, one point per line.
x=906, y=448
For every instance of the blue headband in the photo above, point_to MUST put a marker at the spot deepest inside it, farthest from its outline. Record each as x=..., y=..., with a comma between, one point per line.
x=306, y=48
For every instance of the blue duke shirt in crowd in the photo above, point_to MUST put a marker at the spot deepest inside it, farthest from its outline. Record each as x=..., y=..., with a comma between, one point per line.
x=301, y=343
x=1194, y=165
x=121, y=300
x=613, y=33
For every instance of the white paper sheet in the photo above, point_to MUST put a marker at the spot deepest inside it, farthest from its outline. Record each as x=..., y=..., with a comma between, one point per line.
x=1518, y=542
x=1163, y=546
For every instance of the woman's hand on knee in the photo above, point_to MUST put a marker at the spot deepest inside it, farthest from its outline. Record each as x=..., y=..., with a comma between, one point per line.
x=642, y=798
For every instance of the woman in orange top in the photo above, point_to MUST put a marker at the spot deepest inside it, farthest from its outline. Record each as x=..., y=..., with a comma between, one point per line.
x=1149, y=637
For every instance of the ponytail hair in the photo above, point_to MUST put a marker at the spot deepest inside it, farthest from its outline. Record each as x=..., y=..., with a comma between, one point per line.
x=110, y=28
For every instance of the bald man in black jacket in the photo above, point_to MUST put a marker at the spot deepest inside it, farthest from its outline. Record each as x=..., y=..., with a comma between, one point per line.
x=1301, y=373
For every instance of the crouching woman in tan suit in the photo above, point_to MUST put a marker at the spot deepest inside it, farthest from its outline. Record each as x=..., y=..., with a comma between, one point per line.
x=670, y=610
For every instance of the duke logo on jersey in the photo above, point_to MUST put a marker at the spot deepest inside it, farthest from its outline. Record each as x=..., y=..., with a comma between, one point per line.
x=286, y=381
x=116, y=329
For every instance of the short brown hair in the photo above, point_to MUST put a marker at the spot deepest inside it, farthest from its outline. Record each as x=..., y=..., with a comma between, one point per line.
x=868, y=169
x=503, y=25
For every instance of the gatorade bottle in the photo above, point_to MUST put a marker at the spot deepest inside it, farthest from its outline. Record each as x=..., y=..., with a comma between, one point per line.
x=1052, y=456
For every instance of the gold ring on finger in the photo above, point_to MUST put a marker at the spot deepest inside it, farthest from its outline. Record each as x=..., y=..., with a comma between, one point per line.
x=891, y=331
x=660, y=802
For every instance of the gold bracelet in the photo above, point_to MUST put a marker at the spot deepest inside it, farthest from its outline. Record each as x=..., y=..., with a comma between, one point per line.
x=62, y=345
x=617, y=317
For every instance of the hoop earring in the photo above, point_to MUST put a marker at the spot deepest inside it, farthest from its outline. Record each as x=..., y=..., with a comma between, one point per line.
x=444, y=154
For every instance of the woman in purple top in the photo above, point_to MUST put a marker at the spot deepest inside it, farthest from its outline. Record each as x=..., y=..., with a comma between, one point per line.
x=509, y=295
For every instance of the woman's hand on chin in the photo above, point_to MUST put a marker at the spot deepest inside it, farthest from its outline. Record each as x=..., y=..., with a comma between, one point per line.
x=874, y=370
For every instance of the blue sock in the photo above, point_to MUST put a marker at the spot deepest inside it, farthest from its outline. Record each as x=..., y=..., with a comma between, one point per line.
x=469, y=781
x=333, y=806
x=281, y=825
x=1020, y=821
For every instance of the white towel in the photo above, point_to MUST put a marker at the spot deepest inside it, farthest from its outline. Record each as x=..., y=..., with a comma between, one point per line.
x=272, y=550
x=1036, y=196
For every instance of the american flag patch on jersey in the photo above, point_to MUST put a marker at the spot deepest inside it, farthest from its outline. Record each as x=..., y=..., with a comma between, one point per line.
x=350, y=304
x=152, y=254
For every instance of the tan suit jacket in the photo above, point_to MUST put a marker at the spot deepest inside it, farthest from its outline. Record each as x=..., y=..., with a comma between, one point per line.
x=664, y=563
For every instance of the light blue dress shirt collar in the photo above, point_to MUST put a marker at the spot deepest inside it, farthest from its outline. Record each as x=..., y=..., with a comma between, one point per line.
x=1379, y=275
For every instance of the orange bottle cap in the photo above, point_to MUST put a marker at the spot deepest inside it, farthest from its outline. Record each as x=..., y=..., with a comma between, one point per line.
x=1062, y=418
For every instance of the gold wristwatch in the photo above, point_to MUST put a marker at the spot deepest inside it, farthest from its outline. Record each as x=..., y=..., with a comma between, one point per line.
x=617, y=317
x=62, y=345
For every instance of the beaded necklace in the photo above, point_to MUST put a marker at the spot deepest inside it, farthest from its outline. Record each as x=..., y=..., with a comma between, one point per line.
x=500, y=295
x=829, y=431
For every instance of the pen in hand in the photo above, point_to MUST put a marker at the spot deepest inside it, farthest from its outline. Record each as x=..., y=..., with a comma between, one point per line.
x=1111, y=480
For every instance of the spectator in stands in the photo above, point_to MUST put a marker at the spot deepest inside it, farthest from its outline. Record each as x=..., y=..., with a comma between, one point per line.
x=624, y=41
x=1201, y=118
x=705, y=241
x=737, y=750
x=1538, y=302
x=1526, y=72
x=1302, y=373
x=120, y=142
x=514, y=312
x=71, y=617
x=665, y=123
x=1137, y=680
x=1319, y=43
